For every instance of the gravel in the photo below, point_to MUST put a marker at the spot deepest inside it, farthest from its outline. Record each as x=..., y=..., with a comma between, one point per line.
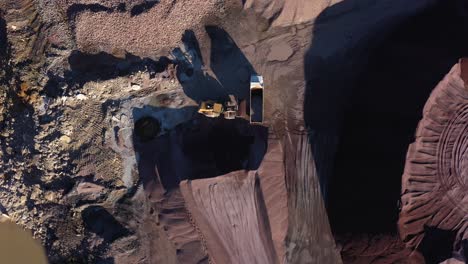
x=156, y=29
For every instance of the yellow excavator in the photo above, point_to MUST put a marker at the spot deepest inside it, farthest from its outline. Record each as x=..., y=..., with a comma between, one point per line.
x=211, y=108
x=214, y=109
x=235, y=108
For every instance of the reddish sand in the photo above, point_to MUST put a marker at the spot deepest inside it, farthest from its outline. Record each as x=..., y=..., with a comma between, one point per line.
x=230, y=212
x=434, y=184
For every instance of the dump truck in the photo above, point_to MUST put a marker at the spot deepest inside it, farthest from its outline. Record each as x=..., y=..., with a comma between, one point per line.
x=256, y=99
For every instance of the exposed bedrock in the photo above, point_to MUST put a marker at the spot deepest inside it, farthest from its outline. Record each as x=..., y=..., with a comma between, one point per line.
x=434, y=184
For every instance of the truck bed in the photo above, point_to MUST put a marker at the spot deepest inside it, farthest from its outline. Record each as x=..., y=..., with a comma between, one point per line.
x=256, y=105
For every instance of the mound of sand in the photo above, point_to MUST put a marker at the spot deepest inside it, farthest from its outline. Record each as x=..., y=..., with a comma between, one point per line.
x=434, y=181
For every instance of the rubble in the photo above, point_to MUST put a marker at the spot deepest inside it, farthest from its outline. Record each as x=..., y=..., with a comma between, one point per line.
x=65, y=140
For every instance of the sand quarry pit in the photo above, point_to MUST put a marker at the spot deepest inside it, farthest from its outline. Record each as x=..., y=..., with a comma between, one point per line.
x=361, y=157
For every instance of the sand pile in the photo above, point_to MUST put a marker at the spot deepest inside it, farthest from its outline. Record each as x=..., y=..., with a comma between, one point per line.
x=434, y=181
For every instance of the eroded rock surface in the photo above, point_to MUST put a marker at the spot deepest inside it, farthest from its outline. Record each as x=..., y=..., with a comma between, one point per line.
x=434, y=180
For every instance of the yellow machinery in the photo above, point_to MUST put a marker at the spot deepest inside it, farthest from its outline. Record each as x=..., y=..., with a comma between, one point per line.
x=211, y=109
x=214, y=109
x=233, y=108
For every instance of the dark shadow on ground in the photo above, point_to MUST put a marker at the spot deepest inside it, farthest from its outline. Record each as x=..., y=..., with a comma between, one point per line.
x=363, y=104
x=99, y=221
x=75, y=9
x=137, y=9
x=200, y=148
x=143, y=7
x=229, y=70
x=101, y=66
x=464, y=250
x=437, y=244
x=3, y=40
x=6, y=69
